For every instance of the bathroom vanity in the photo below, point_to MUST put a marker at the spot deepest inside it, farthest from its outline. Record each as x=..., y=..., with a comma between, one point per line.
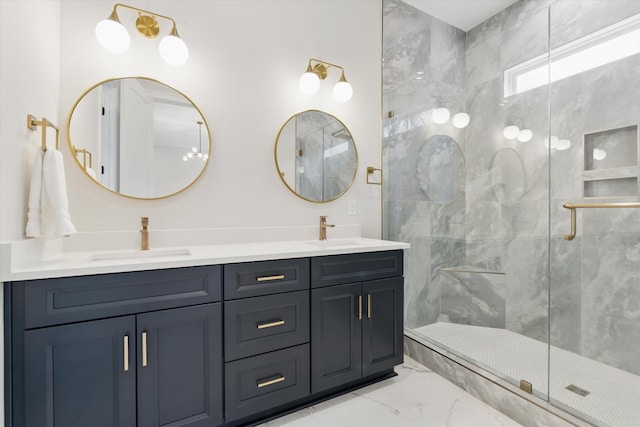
x=230, y=340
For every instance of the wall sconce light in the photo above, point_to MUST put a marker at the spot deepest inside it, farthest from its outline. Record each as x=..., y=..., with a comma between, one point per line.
x=197, y=152
x=114, y=37
x=310, y=80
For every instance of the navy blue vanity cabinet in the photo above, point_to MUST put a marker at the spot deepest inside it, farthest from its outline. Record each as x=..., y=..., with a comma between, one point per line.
x=180, y=367
x=75, y=375
x=125, y=349
x=266, y=315
x=356, y=317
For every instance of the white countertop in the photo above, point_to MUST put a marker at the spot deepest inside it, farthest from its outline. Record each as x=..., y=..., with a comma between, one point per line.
x=79, y=263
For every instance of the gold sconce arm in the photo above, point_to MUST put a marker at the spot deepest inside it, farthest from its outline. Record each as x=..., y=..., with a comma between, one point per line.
x=370, y=171
x=321, y=67
x=573, y=206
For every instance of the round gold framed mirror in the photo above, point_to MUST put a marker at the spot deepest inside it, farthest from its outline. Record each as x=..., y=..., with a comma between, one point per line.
x=315, y=156
x=139, y=137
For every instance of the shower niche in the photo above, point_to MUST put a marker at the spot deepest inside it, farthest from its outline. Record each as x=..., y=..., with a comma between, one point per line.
x=611, y=163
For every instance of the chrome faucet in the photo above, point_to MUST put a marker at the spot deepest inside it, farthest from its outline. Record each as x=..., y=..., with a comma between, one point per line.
x=144, y=233
x=323, y=227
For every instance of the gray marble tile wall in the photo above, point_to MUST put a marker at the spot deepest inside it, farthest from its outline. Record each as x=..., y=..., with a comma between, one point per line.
x=472, y=198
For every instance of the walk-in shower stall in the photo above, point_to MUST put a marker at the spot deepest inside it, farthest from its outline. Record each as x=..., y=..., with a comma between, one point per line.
x=511, y=158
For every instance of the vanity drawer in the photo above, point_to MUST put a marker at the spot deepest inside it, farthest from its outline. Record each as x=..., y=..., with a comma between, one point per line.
x=252, y=279
x=261, y=324
x=264, y=382
x=339, y=269
x=72, y=299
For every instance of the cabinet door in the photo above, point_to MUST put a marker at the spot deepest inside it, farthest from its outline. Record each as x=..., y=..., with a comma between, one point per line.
x=382, y=328
x=180, y=367
x=81, y=375
x=336, y=356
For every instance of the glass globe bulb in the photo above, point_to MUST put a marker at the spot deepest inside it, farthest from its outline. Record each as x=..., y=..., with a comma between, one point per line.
x=563, y=144
x=461, y=120
x=184, y=158
x=525, y=135
x=440, y=115
x=173, y=50
x=342, y=91
x=309, y=83
x=511, y=132
x=113, y=36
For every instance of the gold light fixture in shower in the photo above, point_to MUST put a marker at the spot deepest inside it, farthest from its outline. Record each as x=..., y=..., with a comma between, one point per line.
x=114, y=37
x=310, y=80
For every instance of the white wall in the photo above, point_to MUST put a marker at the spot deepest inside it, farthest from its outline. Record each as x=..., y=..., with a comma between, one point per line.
x=245, y=60
x=29, y=84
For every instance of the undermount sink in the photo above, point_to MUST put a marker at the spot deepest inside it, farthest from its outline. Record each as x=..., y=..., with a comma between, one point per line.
x=140, y=254
x=333, y=243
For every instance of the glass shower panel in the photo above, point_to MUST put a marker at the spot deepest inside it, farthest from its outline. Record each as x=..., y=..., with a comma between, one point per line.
x=473, y=201
x=595, y=279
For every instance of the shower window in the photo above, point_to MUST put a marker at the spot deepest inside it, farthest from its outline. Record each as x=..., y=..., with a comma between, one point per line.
x=599, y=48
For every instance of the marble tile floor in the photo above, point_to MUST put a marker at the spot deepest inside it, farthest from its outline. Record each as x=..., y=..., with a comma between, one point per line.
x=416, y=397
x=613, y=394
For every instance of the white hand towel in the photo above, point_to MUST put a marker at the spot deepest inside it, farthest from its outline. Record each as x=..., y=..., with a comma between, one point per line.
x=34, y=219
x=55, y=210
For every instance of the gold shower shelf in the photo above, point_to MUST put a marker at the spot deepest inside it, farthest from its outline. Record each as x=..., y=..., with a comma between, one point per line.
x=574, y=206
x=33, y=123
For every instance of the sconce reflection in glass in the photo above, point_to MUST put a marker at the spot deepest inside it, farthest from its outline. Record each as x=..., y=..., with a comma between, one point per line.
x=513, y=131
x=557, y=143
x=197, y=152
x=441, y=116
x=461, y=120
x=310, y=80
x=599, y=154
x=525, y=135
x=114, y=37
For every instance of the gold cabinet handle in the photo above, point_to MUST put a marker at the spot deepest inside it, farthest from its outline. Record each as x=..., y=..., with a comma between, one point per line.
x=359, y=307
x=369, y=306
x=271, y=382
x=144, y=349
x=270, y=324
x=269, y=278
x=126, y=353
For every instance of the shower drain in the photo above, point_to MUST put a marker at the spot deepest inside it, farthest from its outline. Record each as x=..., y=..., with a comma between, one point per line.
x=577, y=390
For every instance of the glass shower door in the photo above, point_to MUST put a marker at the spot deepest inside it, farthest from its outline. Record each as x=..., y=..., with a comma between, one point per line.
x=472, y=198
x=595, y=276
